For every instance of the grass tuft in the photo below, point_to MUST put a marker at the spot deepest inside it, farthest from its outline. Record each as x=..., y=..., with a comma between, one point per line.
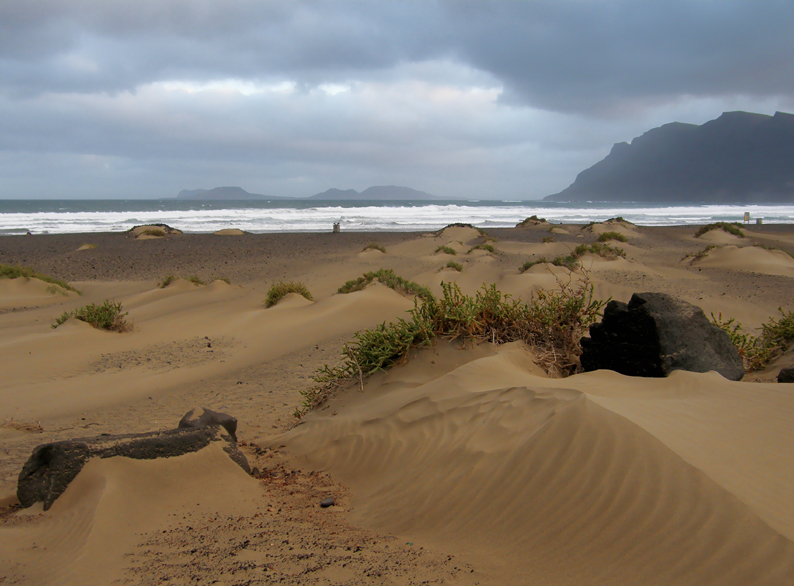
x=388, y=278
x=279, y=290
x=700, y=254
x=531, y=221
x=547, y=239
x=166, y=281
x=195, y=280
x=153, y=232
x=106, y=316
x=551, y=322
x=758, y=351
x=487, y=247
x=446, y=250
x=607, y=236
x=453, y=265
x=16, y=271
x=725, y=226
x=603, y=250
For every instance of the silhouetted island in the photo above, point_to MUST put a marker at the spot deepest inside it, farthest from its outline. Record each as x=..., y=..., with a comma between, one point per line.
x=738, y=158
x=223, y=193
x=387, y=192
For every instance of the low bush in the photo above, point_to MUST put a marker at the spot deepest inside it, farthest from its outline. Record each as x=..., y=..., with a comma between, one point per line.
x=196, y=280
x=725, y=226
x=607, y=236
x=446, y=250
x=390, y=279
x=531, y=221
x=603, y=250
x=107, y=316
x=16, y=271
x=547, y=239
x=552, y=323
x=568, y=261
x=279, y=290
x=374, y=246
x=153, y=232
x=758, y=351
x=486, y=247
x=454, y=265
x=166, y=281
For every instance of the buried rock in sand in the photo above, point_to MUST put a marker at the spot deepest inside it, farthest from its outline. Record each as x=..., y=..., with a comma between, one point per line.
x=51, y=467
x=656, y=334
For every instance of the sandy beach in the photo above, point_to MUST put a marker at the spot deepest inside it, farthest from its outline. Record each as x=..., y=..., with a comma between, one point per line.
x=468, y=464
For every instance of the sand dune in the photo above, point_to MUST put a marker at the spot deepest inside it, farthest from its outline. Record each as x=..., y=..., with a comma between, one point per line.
x=751, y=259
x=567, y=489
x=467, y=465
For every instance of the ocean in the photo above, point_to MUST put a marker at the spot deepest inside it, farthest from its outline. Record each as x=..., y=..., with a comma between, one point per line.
x=113, y=215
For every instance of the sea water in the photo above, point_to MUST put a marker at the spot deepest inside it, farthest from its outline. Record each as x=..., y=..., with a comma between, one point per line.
x=260, y=216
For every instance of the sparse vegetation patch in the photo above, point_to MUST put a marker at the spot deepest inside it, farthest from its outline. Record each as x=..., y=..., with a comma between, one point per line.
x=700, y=254
x=283, y=288
x=547, y=239
x=486, y=247
x=758, y=351
x=568, y=261
x=388, y=278
x=725, y=226
x=454, y=265
x=603, y=250
x=551, y=322
x=532, y=220
x=607, y=236
x=107, y=316
x=445, y=250
x=15, y=272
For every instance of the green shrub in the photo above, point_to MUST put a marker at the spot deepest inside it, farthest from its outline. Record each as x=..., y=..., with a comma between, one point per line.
x=603, y=250
x=758, y=351
x=547, y=239
x=620, y=219
x=607, y=236
x=487, y=247
x=226, y=280
x=195, y=280
x=551, y=322
x=153, y=232
x=454, y=265
x=14, y=272
x=279, y=290
x=166, y=281
x=446, y=250
x=374, y=246
x=107, y=316
x=729, y=228
x=388, y=278
x=568, y=261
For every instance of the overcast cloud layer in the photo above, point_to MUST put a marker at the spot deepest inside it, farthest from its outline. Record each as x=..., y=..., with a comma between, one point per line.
x=103, y=98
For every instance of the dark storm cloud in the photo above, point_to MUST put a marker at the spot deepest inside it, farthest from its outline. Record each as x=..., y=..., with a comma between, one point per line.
x=574, y=55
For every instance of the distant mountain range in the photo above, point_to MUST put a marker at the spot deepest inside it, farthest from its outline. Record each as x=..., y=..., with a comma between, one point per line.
x=738, y=158
x=383, y=192
x=389, y=192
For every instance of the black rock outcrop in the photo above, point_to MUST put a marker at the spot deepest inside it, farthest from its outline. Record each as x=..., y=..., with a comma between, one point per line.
x=786, y=375
x=51, y=467
x=738, y=158
x=655, y=334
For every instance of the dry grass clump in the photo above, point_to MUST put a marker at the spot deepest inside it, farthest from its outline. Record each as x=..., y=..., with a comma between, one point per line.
x=388, y=278
x=725, y=226
x=374, y=246
x=603, y=250
x=552, y=323
x=11, y=423
x=106, y=316
x=547, y=239
x=700, y=254
x=283, y=288
x=758, y=351
x=607, y=236
x=154, y=232
x=16, y=271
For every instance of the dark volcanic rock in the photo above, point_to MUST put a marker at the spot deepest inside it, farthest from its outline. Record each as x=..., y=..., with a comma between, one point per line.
x=786, y=375
x=656, y=334
x=51, y=467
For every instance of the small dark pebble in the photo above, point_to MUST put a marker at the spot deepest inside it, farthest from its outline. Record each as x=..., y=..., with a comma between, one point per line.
x=329, y=502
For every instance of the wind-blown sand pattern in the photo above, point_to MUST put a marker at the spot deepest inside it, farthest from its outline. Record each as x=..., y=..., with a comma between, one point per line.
x=465, y=465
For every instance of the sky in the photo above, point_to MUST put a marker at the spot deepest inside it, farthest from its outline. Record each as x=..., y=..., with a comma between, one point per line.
x=471, y=99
